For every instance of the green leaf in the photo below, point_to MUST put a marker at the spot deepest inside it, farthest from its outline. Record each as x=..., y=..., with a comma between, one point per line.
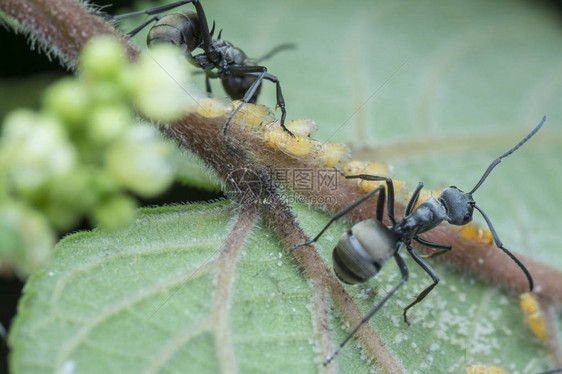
x=477, y=77
x=142, y=300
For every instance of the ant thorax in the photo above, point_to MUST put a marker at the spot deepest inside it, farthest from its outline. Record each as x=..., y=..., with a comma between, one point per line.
x=425, y=217
x=229, y=53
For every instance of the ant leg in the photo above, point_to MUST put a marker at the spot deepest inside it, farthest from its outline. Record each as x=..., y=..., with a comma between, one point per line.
x=413, y=200
x=204, y=30
x=337, y=216
x=152, y=11
x=275, y=50
x=444, y=247
x=429, y=271
x=261, y=73
x=137, y=29
x=375, y=178
x=404, y=272
x=499, y=244
x=208, y=84
x=380, y=205
x=280, y=100
x=248, y=95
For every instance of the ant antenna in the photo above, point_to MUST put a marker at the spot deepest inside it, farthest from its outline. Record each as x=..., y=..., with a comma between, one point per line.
x=497, y=240
x=499, y=159
x=499, y=244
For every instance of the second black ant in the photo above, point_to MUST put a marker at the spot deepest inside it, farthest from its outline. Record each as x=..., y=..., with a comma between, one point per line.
x=240, y=75
x=368, y=245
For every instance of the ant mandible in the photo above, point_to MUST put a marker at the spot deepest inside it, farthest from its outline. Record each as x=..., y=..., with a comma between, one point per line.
x=363, y=250
x=240, y=75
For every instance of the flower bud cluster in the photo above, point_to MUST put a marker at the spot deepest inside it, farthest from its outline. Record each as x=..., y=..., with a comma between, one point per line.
x=85, y=153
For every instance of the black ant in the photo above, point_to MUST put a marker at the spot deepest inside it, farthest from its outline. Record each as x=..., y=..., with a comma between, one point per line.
x=363, y=250
x=240, y=75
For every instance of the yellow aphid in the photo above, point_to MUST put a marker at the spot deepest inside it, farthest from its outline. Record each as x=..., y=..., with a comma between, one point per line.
x=252, y=114
x=331, y=154
x=476, y=233
x=301, y=127
x=298, y=145
x=362, y=167
x=530, y=308
x=371, y=168
x=377, y=168
x=211, y=108
x=276, y=136
x=354, y=167
x=369, y=185
x=481, y=369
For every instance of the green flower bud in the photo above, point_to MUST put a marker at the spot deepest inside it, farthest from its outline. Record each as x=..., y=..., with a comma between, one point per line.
x=107, y=93
x=160, y=84
x=68, y=100
x=107, y=123
x=141, y=161
x=75, y=191
x=35, y=147
x=103, y=57
x=105, y=184
x=115, y=212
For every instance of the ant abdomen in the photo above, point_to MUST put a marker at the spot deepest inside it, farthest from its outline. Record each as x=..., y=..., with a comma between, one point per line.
x=179, y=28
x=362, y=251
x=236, y=86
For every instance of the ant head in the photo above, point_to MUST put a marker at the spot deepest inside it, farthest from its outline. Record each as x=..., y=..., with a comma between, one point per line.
x=180, y=28
x=458, y=204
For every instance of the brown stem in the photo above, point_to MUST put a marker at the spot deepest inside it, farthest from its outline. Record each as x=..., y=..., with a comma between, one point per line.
x=62, y=27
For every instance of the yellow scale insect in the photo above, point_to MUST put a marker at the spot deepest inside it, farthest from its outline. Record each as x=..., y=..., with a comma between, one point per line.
x=476, y=233
x=481, y=369
x=533, y=314
x=372, y=168
x=260, y=117
x=302, y=146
